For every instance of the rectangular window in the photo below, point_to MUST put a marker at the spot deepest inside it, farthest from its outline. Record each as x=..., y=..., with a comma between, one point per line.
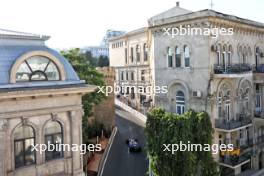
x=132, y=54
x=126, y=55
x=178, y=60
x=54, y=139
x=132, y=76
x=122, y=76
x=169, y=60
x=24, y=156
x=187, y=62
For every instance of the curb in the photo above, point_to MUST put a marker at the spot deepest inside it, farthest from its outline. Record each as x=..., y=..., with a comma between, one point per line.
x=106, y=153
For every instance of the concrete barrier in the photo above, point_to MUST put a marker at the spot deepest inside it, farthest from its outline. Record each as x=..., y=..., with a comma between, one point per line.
x=106, y=152
x=127, y=108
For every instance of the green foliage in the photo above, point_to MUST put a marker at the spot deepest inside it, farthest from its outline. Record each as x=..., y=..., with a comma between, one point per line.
x=168, y=128
x=82, y=65
x=103, y=61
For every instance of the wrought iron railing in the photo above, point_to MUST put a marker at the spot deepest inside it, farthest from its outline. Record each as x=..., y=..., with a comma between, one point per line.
x=234, y=160
x=232, y=69
x=242, y=120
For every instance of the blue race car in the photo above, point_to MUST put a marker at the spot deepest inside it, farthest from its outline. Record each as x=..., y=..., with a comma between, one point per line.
x=133, y=145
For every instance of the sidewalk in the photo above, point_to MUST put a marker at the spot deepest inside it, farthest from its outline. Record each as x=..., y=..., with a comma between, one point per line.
x=93, y=165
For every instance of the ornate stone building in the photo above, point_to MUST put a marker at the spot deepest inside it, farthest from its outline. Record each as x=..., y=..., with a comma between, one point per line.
x=40, y=103
x=222, y=75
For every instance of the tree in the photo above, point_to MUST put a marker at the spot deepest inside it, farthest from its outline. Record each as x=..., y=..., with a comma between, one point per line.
x=168, y=128
x=103, y=61
x=88, y=73
x=89, y=57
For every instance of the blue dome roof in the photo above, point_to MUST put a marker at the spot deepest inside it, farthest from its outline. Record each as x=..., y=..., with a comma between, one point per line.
x=9, y=55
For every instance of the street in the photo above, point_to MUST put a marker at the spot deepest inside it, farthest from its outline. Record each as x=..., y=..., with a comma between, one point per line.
x=120, y=162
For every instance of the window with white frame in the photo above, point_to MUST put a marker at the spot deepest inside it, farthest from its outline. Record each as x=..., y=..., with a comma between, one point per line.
x=177, y=56
x=180, y=102
x=186, y=56
x=169, y=56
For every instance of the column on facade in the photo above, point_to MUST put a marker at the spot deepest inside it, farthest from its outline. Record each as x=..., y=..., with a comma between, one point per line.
x=3, y=134
x=228, y=139
x=76, y=134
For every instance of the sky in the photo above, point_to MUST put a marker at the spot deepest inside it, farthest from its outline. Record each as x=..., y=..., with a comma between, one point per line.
x=78, y=23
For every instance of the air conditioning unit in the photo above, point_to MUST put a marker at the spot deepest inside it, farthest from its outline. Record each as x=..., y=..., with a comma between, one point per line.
x=197, y=94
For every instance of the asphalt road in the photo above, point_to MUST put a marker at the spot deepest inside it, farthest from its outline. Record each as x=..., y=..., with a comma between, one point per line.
x=119, y=161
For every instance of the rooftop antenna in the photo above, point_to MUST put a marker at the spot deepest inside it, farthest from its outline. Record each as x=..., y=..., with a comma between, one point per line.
x=211, y=4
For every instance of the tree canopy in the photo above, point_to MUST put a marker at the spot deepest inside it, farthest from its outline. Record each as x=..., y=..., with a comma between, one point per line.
x=168, y=128
x=86, y=71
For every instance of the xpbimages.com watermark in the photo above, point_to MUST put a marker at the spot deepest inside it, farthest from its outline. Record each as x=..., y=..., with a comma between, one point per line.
x=83, y=148
x=149, y=90
x=188, y=30
x=214, y=148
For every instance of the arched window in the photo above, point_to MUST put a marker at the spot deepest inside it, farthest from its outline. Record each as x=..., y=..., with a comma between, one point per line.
x=145, y=48
x=180, y=102
x=229, y=55
x=37, y=68
x=224, y=103
x=24, y=139
x=53, y=135
x=224, y=56
x=177, y=56
x=169, y=56
x=138, y=53
x=244, y=56
x=246, y=99
x=257, y=52
x=219, y=104
x=228, y=105
x=218, y=52
x=186, y=56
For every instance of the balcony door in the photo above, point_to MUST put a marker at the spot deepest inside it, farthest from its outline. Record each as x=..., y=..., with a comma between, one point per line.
x=227, y=111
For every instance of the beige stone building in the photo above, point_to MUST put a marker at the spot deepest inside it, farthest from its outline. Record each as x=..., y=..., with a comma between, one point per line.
x=40, y=103
x=129, y=55
x=222, y=75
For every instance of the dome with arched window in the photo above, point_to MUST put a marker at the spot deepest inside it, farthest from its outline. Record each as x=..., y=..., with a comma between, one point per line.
x=32, y=61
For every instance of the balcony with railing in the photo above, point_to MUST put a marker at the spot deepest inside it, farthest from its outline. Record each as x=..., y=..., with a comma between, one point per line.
x=234, y=70
x=234, y=158
x=225, y=124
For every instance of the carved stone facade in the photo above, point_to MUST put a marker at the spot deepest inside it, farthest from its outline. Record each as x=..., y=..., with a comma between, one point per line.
x=33, y=104
x=220, y=75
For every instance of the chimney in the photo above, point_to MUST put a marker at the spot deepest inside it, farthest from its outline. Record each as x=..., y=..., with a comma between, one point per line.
x=177, y=4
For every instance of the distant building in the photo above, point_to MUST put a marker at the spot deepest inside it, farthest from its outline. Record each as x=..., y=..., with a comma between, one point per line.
x=96, y=51
x=102, y=50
